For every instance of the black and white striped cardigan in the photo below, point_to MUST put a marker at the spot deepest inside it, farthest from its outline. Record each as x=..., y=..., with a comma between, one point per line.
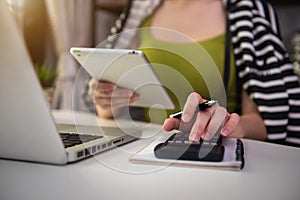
x=263, y=66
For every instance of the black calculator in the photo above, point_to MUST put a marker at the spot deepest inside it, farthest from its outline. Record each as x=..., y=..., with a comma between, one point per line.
x=178, y=147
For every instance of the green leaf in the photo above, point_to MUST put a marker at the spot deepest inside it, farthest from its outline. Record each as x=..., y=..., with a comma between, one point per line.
x=46, y=75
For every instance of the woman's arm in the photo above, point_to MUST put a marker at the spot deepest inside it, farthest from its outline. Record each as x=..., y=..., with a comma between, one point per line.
x=251, y=125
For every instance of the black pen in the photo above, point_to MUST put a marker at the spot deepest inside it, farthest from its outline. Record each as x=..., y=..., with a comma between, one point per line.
x=201, y=106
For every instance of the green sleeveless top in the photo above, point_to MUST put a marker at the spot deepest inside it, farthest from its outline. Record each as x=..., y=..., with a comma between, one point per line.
x=187, y=67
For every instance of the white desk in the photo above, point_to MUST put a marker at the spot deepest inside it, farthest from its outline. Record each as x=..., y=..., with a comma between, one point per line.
x=271, y=172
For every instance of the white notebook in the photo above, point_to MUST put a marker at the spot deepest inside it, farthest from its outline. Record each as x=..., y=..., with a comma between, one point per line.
x=233, y=155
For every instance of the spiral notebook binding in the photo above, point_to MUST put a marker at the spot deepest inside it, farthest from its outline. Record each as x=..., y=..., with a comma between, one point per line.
x=240, y=152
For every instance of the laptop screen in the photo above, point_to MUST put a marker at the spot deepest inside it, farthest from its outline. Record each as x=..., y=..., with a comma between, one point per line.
x=27, y=127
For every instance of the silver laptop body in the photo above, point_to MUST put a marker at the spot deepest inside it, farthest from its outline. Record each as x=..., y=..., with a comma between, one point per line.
x=27, y=129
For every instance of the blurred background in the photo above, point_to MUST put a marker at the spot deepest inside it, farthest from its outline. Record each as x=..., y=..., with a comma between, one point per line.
x=51, y=27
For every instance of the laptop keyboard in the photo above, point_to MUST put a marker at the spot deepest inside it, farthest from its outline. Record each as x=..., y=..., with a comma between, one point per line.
x=72, y=139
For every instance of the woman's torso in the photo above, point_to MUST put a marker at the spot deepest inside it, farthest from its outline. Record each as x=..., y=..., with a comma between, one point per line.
x=185, y=56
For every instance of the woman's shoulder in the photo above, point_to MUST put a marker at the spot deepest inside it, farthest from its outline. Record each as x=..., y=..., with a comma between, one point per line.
x=261, y=8
x=264, y=4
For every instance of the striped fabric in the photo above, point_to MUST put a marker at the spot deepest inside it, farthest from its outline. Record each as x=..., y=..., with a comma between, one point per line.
x=263, y=66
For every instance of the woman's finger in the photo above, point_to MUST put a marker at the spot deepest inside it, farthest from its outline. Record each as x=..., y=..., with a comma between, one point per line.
x=171, y=124
x=230, y=124
x=190, y=106
x=199, y=127
x=216, y=122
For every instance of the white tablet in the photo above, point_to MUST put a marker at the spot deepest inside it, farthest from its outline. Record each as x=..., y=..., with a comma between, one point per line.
x=128, y=69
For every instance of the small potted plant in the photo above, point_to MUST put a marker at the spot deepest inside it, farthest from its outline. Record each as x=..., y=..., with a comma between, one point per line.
x=46, y=76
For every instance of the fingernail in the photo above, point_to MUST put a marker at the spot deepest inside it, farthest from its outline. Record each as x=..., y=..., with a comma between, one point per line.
x=194, y=137
x=207, y=136
x=225, y=132
x=186, y=117
x=133, y=97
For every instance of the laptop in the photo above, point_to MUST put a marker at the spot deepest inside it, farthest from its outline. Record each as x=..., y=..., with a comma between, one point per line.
x=27, y=129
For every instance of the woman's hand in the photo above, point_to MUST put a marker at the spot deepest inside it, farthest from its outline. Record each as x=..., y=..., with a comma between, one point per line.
x=205, y=123
x=109, y=98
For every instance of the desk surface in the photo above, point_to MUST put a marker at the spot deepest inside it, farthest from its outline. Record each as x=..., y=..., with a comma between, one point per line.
x=271, y=172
